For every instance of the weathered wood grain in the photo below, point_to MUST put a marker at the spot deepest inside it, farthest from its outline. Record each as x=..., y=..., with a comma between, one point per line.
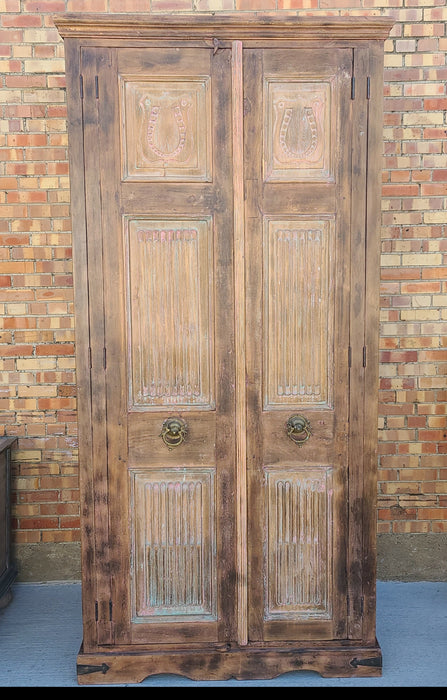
x=225, y=199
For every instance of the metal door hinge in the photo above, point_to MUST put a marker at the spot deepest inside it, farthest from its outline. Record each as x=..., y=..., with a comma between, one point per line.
x=364, y=355
x=216, y=45
x=373, y=661
x=97, y=611
x=81, y=86
x=84, y=669
x=104, y=359
x=89, y=358
x=349, y=356
x=362, y=604
x=368, y=88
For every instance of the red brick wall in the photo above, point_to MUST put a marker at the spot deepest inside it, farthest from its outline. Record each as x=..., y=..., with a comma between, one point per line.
x=413, y=336
x=37, y=391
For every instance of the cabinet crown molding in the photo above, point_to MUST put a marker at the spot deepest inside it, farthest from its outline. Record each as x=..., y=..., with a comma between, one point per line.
x=234, y=26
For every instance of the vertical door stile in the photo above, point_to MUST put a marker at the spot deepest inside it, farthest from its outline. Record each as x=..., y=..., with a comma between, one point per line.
x=372, y=285
x=356, y=342
x=82, y=312
x=239, y=308
x=94, y=183
x=107, y=96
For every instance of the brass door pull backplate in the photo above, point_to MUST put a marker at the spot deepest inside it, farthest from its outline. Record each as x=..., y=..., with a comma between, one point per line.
x=173, y=432
x=298, y=429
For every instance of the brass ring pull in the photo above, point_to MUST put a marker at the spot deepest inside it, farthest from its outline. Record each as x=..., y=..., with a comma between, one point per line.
x=173, y=432
x=298, y=429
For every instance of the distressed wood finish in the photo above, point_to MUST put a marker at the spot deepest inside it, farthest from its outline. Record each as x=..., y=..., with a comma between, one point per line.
x=301, y=301
x=179, y=373
x=174, y=535
x=8, y=570
x=299, y=509
x=166, y=129
x=298, y=143
x=298, y=318
x=225, y=216
x=240, y=341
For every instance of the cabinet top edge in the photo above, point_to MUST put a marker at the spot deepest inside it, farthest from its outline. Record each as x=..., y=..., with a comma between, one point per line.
x=224, y=26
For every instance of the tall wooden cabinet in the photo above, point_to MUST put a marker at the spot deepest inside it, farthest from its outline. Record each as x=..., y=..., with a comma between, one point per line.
x=225, y=203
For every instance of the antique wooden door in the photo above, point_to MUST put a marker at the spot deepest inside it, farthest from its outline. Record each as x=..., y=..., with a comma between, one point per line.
x=226, y=343
x=298, y=246
x=161, y=130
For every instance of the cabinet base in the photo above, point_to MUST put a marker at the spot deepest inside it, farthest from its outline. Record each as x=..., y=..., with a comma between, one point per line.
x=240, y=664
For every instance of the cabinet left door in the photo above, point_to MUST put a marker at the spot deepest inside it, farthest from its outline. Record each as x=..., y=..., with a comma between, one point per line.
x=159, y=488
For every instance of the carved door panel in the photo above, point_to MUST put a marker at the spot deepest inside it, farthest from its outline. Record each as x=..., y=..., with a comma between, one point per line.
x=162, y=133
x=297, y=222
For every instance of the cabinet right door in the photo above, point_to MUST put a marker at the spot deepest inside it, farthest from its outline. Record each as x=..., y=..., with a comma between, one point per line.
x=300, y=290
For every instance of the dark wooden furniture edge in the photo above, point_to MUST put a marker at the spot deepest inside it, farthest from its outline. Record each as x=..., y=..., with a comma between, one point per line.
x=238, y=663
x=10, y=573
x=223, y=26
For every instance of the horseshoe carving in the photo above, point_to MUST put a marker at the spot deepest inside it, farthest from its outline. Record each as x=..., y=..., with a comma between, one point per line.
x=311, y=145
x=306, y=144
x=178, y=120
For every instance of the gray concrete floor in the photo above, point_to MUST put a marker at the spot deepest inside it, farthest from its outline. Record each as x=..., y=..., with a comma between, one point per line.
x=41, y=631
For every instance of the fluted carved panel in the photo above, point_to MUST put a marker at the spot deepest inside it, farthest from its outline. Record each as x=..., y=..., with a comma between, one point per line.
x=299, y=559
x=166, y=129
x=298, y=130
x=174, y=567
x=298, y=312
x=171, y=316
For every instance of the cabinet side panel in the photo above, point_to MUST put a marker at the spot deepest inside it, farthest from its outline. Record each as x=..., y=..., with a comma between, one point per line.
x=375, y=150
x=82, y=333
